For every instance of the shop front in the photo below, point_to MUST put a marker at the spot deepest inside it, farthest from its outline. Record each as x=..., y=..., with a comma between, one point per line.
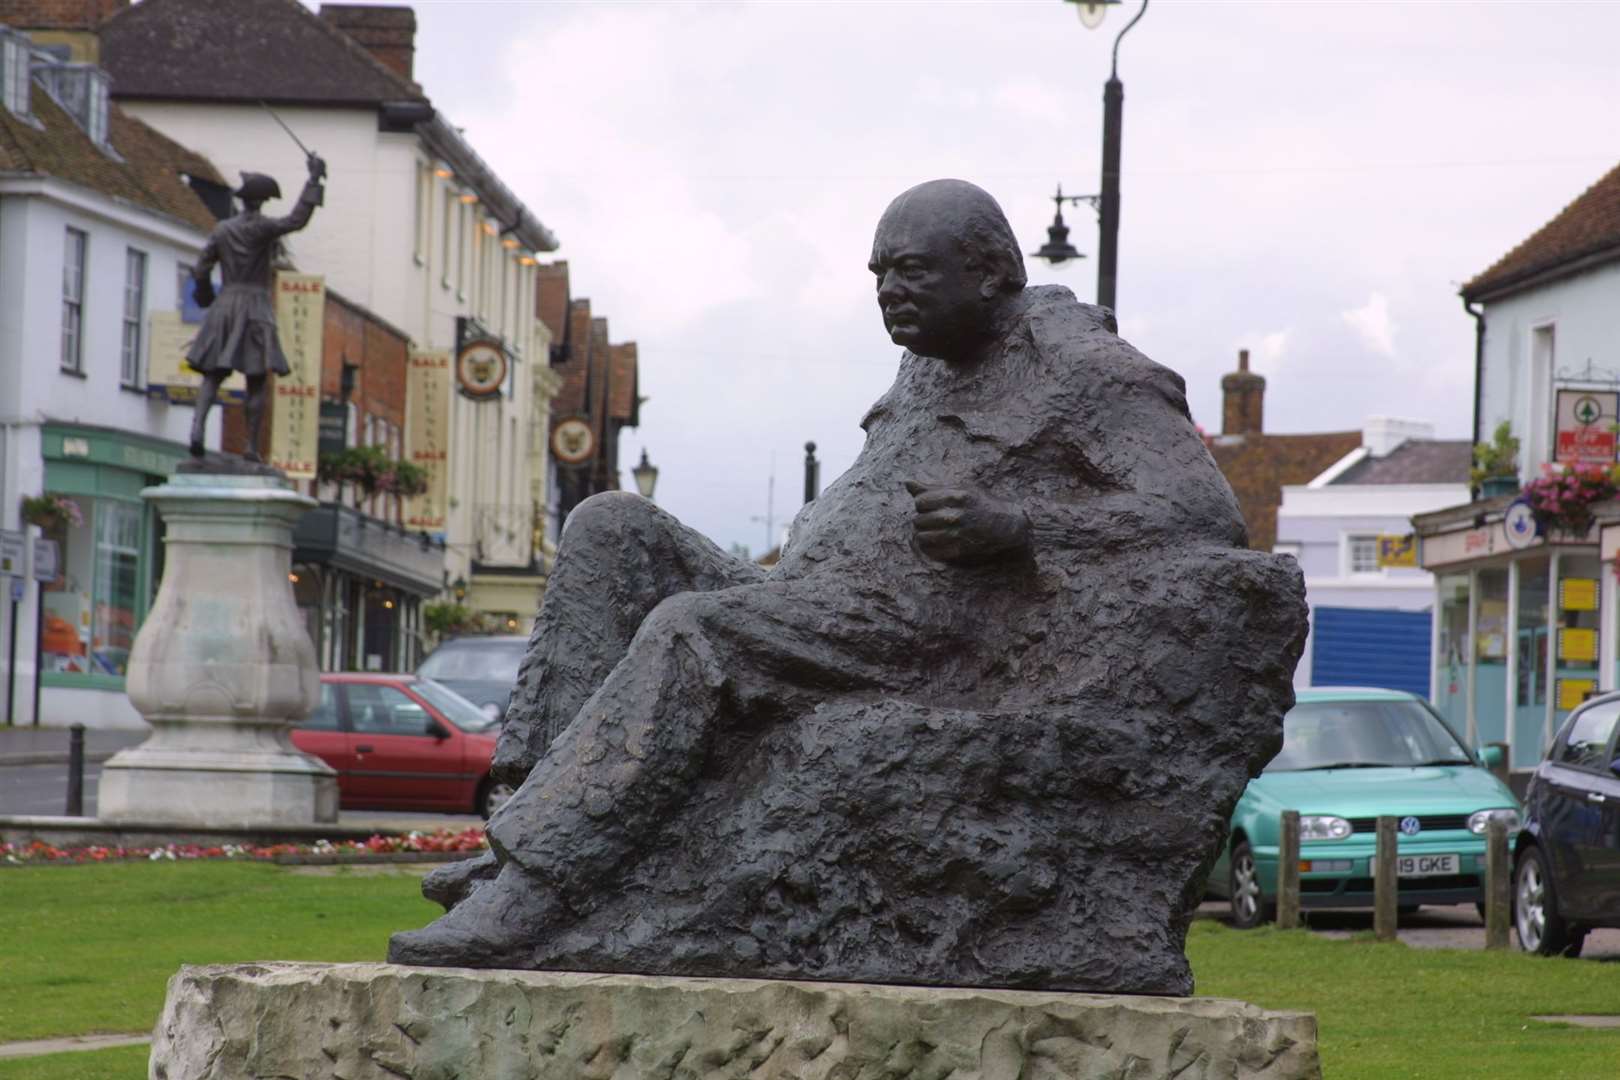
x=360, y=583
x=1525, y=620
x=110, y=545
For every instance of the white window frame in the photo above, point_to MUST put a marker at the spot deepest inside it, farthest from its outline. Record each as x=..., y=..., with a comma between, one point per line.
x=75, y=261
x=1351, y=540
x=135, y=267
x=15, y=80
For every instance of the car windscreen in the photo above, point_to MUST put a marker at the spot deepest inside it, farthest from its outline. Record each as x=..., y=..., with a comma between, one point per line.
x=1363, y=735
x=457, y=709
x=476, y=661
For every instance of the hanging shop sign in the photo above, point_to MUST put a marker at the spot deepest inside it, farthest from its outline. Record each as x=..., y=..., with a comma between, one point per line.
x=1397, y=551
x=1520, y=525
x=1586, y=423
x=167, y=374
x=334, y=427
x=12, y=546
x=1578, y=594
x=481, y=369
x=572, y=441
x=295, y=429
x=427, y=435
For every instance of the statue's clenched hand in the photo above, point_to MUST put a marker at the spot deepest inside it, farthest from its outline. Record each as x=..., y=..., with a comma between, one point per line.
x=960, y=525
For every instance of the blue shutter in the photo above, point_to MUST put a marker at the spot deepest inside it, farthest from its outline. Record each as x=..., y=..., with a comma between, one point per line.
x=1371, y=647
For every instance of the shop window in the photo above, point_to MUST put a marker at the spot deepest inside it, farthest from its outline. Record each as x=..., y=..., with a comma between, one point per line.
x=1451, y=674
x=134, y=314
x=73, y=257
x=92, y=610
x=1363, y=554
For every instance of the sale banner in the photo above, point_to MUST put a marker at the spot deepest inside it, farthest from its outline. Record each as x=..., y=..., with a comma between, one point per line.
x=427, y=435
x=295, y=422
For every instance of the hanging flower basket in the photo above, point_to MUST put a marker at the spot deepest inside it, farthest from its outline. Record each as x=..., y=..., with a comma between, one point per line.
x=51, y=511
x=370, y=471
x=1562, y=497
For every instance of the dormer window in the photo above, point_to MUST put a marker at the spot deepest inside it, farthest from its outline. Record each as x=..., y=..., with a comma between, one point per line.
x=81, y=89
x=14, y=71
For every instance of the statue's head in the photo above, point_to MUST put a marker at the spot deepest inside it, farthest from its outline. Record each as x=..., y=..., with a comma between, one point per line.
x=948, y=268
x=256, y=188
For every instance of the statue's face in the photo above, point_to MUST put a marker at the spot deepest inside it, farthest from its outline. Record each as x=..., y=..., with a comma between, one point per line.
x=932, y=302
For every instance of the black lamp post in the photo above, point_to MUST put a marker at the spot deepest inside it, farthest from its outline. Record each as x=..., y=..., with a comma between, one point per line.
x=1057, y=248
x=646, y=474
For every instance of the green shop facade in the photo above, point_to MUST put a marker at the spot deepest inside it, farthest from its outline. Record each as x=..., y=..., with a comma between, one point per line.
x=1526, y=620
x=110, y=560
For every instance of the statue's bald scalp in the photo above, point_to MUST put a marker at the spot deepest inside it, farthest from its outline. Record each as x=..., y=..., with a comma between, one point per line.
x=972, y=217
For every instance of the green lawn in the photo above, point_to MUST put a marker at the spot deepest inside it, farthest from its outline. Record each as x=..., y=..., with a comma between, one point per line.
x=89, y=949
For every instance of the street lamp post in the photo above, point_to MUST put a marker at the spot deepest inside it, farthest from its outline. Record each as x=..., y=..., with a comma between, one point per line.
x=1106, y=203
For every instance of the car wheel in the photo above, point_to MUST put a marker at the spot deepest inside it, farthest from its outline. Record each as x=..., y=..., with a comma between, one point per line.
x=1249, y=907
x=1535, y=910
x=492, y=794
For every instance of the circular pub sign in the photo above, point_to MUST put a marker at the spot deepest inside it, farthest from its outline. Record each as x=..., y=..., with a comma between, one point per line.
x=481, y=369
x=572, y=441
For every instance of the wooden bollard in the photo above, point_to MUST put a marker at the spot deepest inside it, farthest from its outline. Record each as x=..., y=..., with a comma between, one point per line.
x=1386, y=886
x=1288, y=871
x=1498, y=885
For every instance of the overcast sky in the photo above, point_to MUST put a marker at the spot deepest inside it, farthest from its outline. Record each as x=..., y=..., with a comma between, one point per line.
x=1311, y=181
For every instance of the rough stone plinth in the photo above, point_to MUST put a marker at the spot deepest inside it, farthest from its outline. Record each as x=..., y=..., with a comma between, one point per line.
x=382, y=1022
x=223, y=667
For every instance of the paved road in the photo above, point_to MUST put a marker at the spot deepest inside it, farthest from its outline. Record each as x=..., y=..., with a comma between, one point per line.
x=42, y=789
x=1447, y=927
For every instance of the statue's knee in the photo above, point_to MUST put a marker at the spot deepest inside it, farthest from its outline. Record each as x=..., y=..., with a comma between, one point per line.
x=605, y=515
x=679, y=614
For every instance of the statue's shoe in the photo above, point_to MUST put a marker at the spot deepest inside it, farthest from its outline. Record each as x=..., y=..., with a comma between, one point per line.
x=494, y=926
x=451, y=883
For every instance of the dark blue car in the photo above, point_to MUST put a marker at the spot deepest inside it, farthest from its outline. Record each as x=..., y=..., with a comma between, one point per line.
x=1566, y=877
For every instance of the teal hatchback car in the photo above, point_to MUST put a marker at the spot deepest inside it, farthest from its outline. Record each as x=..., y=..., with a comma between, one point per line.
x=1349, y=756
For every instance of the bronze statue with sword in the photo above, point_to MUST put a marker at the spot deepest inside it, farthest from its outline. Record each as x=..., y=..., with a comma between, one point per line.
x=239, y=333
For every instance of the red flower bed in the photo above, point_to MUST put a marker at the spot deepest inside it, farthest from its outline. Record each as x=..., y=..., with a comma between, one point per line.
x=471, y=839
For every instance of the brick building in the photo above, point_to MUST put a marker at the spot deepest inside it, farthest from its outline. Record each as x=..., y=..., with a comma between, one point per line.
x=1257, y=464
x=600, y=392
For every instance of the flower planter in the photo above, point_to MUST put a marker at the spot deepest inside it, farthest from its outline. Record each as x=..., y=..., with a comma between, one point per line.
x=1495, y=486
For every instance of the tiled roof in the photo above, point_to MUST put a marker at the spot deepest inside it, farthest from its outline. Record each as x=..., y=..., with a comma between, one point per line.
x=1586, y=227
x=242, y=50
x=1258, y=466
x=148, y=176
x=1415, y=461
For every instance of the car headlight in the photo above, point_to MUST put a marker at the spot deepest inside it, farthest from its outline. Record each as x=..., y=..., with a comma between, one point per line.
x=1478, y=820
x=1322, y=827
x=492, y=710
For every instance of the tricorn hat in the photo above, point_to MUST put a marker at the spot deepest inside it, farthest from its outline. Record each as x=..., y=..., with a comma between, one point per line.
x=257, y=187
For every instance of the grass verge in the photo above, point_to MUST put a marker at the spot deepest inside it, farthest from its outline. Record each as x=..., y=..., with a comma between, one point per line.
x=1388, y=1012
x=90, y=949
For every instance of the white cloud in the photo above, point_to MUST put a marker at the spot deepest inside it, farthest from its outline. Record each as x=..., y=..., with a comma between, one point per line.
x=1373, y=324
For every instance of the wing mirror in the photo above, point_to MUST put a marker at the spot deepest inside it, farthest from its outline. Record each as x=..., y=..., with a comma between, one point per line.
x=1491, y=756
x=437, y=730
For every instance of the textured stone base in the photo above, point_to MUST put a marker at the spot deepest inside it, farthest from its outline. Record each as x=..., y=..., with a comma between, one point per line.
x=382, y=1022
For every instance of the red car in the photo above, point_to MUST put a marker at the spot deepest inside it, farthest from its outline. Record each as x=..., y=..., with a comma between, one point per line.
x=403, y=743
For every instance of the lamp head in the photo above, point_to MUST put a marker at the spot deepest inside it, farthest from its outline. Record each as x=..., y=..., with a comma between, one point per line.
x=646, y=474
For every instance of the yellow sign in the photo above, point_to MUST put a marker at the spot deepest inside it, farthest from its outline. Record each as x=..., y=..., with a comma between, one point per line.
x=1577, y=644
x=1571, y=692
x=295, y=421
x=1578, y=594
x=1397, y=550
x=166, y=370
x=427, y=435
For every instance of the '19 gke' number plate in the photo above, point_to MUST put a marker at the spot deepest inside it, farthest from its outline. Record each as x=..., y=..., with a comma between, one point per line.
x=1423, y=865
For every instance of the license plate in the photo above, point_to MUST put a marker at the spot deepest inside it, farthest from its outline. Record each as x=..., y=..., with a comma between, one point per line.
x=1423, y=865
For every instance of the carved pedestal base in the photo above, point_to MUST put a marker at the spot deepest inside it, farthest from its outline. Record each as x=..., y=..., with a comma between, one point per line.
x=223, y=667
x=381, y=1022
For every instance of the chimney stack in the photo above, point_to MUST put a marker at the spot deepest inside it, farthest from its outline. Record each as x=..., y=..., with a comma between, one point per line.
x=1242, y=399
x=387, y=33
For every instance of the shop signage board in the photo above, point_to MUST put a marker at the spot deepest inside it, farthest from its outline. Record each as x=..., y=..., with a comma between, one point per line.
x=1397, y=550
x=1571, y=692
x=1578, y=594
x=46, y=562
x=1577, y=645
x=481, y=369
x=13, y=545
x=427, y=435
x=295, y=417
x=334, y=427
x=1586, y=422
x=167, y=374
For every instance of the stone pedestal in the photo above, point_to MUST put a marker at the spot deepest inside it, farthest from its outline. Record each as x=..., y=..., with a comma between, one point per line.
x=382, y=1022
x=222, y=668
